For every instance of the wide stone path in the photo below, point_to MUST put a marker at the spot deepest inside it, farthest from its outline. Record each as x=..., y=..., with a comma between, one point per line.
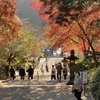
x=40, y=88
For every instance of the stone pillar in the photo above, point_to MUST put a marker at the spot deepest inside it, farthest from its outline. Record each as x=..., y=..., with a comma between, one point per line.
x=72, y=67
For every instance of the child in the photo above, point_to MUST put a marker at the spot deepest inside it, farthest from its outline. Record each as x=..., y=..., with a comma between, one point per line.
x=53, y=72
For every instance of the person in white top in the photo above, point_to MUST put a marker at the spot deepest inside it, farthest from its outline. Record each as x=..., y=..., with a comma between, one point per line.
x=77, y=86
x=42, y=70
x=53, y=73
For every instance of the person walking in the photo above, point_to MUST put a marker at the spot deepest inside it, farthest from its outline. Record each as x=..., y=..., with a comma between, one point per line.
x=46, y=58
x=53, y=73
x=30, y=72
x=12, y=73
x=42, y=69
x=46, y=67
x=64, y=72
x=22, y=73
x=77, y=86
x=59, y=70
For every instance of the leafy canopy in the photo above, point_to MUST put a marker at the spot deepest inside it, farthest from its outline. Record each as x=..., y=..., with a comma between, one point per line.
x=61, y=12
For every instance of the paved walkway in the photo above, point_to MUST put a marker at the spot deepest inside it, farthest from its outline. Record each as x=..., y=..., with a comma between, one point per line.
x=39, y=89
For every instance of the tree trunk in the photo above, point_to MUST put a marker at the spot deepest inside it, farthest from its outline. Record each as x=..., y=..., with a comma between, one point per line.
x=90, y=44
x=94, y=56
x=7, y=70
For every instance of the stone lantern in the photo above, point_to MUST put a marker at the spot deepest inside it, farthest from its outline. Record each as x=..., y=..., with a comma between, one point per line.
x=72, y=66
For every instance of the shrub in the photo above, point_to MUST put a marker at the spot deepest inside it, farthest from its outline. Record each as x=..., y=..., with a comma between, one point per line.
x=95, y=84
x=91, y=73
x=83, y=65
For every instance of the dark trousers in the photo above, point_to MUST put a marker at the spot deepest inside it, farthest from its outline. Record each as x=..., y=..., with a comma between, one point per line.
x=78, y=94
x=59, y=76
x=65, y=75
x=22, y=77
x=53, y=77
x=12, y=76
x=30, y=77
x=47, y=70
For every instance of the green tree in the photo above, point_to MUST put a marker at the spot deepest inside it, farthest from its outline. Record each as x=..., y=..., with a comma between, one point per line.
x=20, y=49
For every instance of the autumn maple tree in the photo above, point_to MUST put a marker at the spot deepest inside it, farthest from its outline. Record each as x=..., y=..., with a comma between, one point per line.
x=71, y=21
x=8, y=24
x=61, y=12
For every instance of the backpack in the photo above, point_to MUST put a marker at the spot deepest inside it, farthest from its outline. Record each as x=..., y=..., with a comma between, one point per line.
x=64, y=70
x=53, y=71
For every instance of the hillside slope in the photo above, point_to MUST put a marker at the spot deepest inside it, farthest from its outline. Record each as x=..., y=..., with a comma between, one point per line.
x=24, y=12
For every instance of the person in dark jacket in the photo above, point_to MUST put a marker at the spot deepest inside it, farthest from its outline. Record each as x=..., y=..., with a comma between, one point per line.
x=30, y=72
x=22, y=73
x=59, y=70
x=12, y=73
x=46, y=67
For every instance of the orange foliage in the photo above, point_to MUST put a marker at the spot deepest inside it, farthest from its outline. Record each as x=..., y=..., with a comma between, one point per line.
x=39, y=6
x=62, y=36
x=72, y=35
x=8, y=25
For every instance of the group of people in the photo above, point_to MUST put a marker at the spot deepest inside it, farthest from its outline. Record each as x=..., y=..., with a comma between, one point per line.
x=46, y=68
x=56, y=70
x=22, y=73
